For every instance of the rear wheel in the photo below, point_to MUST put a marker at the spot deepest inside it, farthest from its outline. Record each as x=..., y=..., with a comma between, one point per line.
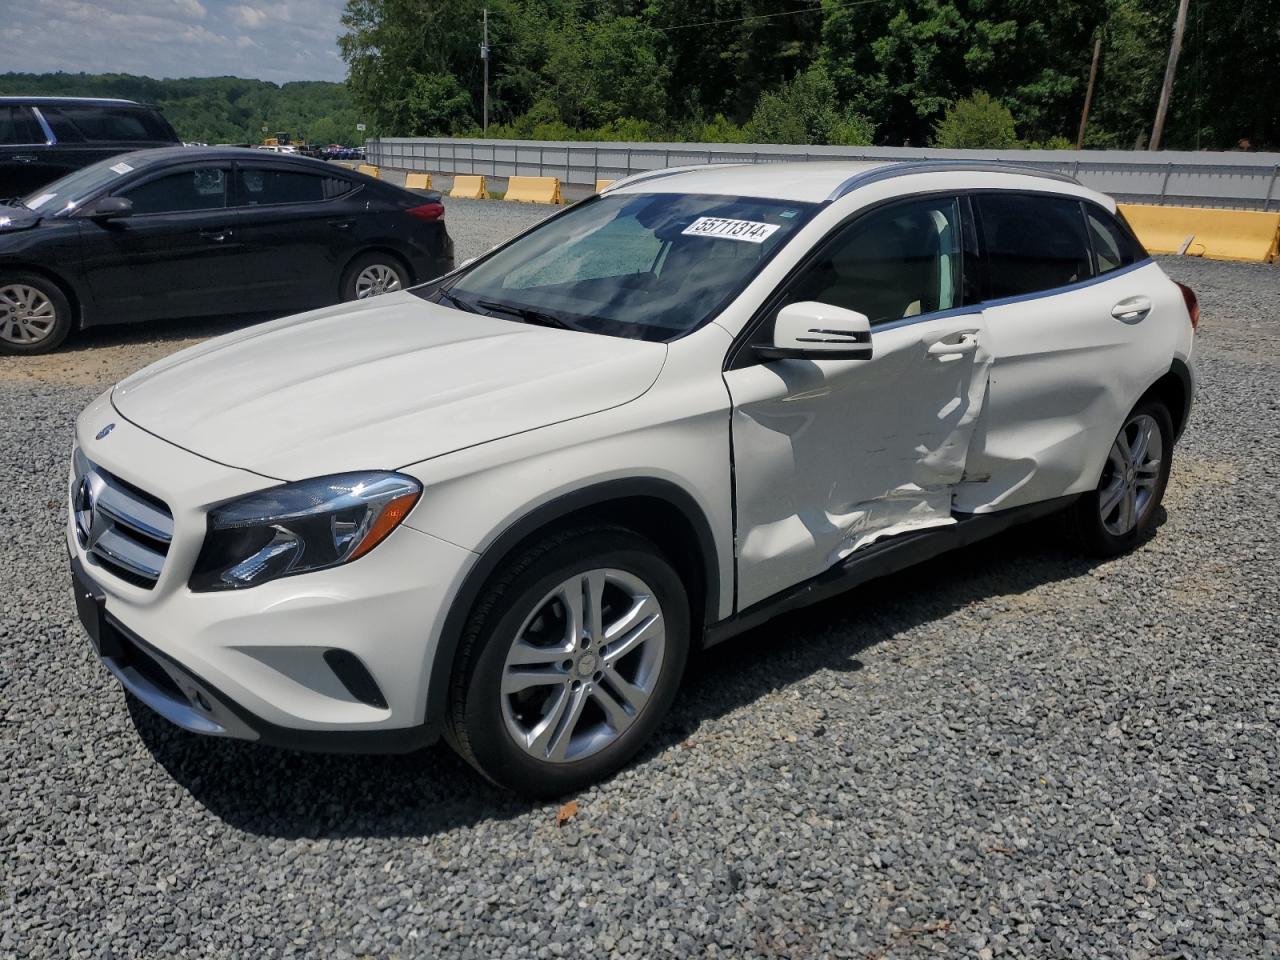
x=1120, y=512
x=373, y=274
x=35, y=316
x=570, y=662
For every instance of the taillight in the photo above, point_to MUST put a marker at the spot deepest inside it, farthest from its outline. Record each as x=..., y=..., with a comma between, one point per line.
x=1193, y=304
x=427, y=211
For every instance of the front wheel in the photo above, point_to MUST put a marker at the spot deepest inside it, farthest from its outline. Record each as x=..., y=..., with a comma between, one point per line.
x=571, y=660
x=1113, y=518
x=35, y=316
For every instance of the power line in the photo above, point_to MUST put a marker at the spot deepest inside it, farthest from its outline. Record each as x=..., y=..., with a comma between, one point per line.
x=760, y=16
x=767, y=16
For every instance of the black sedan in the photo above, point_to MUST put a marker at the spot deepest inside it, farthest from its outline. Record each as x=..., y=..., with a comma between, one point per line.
x=186, y=232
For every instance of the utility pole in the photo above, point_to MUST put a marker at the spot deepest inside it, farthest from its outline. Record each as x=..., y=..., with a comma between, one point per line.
x=1088, y=94
x=484, y=56
x=1166, y=92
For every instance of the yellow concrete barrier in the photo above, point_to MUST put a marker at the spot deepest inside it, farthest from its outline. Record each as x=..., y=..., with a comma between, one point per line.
x=602, y=185
x=369, y=170
x=1206, y=232
x=469, y=187
x=417, y=181
x=534, y=190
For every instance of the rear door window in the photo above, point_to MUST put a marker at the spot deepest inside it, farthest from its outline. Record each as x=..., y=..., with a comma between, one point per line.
x=264, y=186
x=78, y=123
x=1032, y=243
x=1113, y=246
x=204, y=188
x=18, y=126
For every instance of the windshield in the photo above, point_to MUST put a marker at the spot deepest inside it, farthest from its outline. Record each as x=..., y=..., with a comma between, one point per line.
x=645, y=266
x=56, y=196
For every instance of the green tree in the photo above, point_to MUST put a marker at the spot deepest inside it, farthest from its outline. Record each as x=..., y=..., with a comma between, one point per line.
x=806, y=110
x=408, y=61
x=904, y=63
x=976, y=123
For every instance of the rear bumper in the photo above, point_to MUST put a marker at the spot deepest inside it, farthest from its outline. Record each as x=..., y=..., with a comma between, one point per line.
x=192, y=703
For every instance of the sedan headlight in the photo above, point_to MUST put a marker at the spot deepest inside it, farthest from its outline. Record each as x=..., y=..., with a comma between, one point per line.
x=301, y=527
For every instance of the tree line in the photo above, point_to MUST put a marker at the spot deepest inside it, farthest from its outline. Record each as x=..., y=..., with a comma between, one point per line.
x=215, y=109
x=921, y=72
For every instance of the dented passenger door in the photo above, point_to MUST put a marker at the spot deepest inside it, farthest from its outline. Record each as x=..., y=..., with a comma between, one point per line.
x=831, y=455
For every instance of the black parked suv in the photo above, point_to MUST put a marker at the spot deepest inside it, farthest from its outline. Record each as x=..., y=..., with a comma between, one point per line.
x=44, y=138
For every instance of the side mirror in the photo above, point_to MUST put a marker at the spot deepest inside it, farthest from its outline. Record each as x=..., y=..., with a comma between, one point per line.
x=818, y=331
x=110, y=208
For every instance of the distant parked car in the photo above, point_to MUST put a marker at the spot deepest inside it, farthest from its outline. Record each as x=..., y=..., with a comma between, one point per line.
x=197, y=231
x=44, y=138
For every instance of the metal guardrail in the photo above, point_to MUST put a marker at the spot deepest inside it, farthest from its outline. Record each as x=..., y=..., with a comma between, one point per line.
x=1245, y=181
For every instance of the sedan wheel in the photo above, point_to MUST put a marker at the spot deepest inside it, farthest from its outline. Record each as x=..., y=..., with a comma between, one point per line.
x=583, y=665
x=1131, y=475
x=376, y=279
x=27, y=315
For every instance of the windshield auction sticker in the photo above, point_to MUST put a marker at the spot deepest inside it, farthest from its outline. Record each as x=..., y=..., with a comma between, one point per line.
x=747, y=230
x=121, y=168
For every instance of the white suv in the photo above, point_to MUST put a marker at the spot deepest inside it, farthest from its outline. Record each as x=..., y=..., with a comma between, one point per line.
x=506, y=505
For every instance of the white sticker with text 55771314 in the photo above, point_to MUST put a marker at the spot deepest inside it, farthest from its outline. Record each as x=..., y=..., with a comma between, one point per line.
x=748, y=230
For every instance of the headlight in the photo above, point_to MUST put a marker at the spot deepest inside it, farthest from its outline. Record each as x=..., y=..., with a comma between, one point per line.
x=301, y=527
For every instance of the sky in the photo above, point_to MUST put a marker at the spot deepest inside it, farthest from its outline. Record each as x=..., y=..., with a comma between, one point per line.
x=274, y=40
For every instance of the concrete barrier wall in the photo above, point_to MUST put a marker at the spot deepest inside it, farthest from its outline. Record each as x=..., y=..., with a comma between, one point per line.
x=1246, y=181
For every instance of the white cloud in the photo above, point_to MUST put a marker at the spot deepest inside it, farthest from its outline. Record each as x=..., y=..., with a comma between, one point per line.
x=248, y=16
x=180, y=38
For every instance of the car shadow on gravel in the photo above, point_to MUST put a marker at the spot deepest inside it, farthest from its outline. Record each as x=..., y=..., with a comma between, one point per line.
x=287, y=794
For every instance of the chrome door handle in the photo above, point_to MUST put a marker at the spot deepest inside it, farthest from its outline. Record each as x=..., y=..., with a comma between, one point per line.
x=217, y=236
x=1132, y=309
x=23, y=158
x=966, y=344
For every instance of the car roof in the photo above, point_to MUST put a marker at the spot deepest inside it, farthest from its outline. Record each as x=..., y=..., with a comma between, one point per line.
x=104, y=101
x=155, y=155
x=816, y=182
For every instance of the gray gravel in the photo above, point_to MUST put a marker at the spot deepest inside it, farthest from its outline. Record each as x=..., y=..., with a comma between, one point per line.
x=1009, y=751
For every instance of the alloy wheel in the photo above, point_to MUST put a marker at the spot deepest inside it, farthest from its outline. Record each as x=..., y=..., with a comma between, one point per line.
x=583, y=665
x=27, y=316
x=375, y=279
x=1131, y=475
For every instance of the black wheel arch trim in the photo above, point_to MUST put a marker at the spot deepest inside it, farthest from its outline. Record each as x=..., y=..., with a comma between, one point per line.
x=541, y=518
x=1180, y=369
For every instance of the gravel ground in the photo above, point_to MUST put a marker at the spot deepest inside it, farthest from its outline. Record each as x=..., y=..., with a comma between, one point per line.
x=1009, y=751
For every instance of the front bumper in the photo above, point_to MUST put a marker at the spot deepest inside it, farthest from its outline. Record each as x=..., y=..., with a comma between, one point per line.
x=190, y=702
x=336, y=660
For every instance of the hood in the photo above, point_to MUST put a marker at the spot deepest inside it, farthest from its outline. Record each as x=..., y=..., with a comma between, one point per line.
x=377, y=384
x=13, y=219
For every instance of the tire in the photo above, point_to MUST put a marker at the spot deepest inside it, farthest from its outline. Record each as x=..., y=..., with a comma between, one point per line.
x=374, y=273
x=1107, y=527
x=536, y=718
x=35, y=316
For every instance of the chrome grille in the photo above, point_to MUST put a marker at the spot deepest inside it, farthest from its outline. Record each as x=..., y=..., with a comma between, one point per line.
x=125, y=530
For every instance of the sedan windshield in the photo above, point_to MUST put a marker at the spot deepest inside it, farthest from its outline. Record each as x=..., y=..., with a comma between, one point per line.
x=644, y=266
x=68, y=191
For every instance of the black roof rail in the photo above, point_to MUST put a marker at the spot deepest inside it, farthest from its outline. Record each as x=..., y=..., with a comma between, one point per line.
x=902, y=168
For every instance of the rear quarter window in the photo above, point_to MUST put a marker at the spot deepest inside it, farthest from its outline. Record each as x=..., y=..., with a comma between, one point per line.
x=18, y=126
x=1114, y=245
x=1032, y=242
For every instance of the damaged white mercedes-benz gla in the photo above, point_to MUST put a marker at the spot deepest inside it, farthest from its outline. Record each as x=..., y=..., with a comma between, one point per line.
x=506, y=505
